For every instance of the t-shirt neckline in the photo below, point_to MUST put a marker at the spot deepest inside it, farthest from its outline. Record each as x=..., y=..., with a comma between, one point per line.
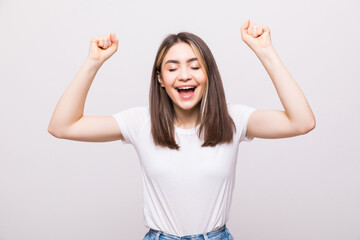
x=187, y=131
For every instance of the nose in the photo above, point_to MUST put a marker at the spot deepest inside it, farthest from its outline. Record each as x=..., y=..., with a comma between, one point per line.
x=184, y=74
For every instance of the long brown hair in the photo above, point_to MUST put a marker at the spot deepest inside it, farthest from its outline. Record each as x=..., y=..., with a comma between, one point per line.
x=216, y=125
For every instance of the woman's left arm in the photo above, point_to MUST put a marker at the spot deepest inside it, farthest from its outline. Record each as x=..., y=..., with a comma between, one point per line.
x=297, y=119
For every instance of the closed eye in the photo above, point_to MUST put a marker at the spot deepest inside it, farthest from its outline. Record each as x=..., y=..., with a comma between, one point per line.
x=173, y=69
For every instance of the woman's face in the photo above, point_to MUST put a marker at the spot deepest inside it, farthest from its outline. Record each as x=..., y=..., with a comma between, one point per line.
x=180, y=68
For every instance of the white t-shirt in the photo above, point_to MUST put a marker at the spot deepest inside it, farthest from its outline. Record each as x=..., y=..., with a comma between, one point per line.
x=186, y=191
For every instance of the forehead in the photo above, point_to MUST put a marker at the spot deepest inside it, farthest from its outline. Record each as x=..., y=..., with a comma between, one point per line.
x=179, y=51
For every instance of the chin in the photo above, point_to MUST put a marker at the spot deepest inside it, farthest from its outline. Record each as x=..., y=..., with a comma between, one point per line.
x=188, y=106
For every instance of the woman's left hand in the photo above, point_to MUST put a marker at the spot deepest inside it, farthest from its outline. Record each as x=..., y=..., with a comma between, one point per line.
x=256, y=37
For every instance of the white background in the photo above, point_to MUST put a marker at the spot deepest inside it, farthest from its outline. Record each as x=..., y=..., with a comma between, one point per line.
x=306, y=187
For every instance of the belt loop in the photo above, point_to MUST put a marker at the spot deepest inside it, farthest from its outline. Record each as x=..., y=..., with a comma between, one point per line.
x=157, y=235
x=205, y=236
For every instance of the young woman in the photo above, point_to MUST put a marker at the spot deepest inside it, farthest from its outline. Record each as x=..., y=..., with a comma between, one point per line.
x=187, y=139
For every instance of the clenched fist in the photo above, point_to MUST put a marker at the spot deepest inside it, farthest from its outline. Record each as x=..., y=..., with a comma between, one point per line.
x=257, y=37
x=103, y=47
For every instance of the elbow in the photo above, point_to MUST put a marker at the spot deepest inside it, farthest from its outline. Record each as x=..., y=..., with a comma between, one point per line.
x=308, y=127
x=50, y=130
x=53, y=132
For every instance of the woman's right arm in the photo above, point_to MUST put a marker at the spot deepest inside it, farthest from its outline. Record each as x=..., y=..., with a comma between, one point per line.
x=68, y=120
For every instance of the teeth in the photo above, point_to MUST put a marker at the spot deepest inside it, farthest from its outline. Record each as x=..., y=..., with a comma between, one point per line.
x=185, y=87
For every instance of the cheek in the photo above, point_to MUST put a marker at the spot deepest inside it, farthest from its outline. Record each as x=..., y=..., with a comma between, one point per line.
x=202, y=80
x=168, y=78
x=201, y=76
x=203, y=90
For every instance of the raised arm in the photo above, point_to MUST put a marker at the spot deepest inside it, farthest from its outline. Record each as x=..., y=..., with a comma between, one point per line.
x=297, y=119
x=68, y=120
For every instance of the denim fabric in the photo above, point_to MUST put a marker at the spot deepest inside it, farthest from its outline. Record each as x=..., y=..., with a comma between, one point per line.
x=219, y=234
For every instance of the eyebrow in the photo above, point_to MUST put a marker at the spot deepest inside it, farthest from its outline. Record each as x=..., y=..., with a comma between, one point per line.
x=176, y=61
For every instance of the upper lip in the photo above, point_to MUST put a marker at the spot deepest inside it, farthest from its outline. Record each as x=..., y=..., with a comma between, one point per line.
x=186, y=86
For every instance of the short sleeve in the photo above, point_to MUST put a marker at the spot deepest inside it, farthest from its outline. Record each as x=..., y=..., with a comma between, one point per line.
x=241, y=114
x=130, y=122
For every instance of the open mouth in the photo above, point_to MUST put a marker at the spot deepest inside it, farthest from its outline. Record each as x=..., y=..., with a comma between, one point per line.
x=186, y=92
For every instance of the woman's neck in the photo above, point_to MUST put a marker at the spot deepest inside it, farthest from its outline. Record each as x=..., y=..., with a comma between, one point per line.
x=186, y=119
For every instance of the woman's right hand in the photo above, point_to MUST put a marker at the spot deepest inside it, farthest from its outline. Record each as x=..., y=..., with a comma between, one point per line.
x=103, y=47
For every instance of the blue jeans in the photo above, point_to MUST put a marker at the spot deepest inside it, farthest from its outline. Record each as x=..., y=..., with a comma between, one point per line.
x=219, y=234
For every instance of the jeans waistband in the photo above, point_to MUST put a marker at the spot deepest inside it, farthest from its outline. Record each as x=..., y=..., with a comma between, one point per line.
x=204, y=236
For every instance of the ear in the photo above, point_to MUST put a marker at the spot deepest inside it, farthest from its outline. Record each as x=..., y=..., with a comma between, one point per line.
x=160, y=79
